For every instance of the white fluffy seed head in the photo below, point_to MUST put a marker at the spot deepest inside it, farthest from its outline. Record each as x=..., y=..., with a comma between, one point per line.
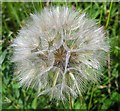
x=58, y=52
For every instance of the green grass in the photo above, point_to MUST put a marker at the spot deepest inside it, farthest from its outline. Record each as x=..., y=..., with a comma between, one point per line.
x=103, y=96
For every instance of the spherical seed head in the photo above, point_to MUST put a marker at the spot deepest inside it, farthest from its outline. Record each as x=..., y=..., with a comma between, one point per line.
x=58, y=52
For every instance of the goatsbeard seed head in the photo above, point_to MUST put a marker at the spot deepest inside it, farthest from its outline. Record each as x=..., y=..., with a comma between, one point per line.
x=58, y=52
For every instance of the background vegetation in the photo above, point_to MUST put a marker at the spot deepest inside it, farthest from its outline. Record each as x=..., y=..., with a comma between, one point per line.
x=103, y=96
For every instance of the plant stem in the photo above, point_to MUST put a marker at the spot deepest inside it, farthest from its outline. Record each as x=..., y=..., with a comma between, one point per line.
x=108, y=18
x=108, y=56
x=70, y=102
x=89, y=105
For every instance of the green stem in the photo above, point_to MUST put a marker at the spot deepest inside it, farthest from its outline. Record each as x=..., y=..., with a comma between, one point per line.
x=70, y=100
x=89, y=105
x=108, y=57
x=108, y=19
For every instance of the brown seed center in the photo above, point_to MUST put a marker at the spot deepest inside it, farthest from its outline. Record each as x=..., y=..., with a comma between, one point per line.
x=60, y=54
